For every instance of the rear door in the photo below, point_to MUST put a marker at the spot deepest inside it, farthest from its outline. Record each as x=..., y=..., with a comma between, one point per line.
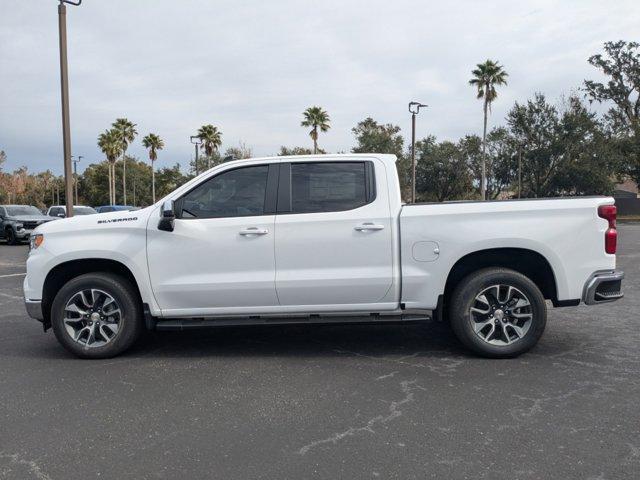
x=333, y=235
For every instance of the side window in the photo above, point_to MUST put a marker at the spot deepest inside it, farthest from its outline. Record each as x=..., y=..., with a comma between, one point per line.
x=3, y=213
x=55, y=211
x=328, y=186
x=235, y=193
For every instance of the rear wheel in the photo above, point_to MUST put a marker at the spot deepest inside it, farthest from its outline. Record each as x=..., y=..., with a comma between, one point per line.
x=97, y=315
x=498, y=313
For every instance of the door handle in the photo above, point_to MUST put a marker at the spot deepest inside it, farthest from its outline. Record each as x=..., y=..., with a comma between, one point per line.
x=369, y=226
x=254, y=231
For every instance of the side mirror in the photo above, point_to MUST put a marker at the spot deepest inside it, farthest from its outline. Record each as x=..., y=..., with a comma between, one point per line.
x=167, y=216
x=61, y=215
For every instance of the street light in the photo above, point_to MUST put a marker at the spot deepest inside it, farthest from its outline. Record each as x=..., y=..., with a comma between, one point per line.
x=197, y=141
x=414, y=109
x=521, y=146
x=64, y=91
x=75, y=173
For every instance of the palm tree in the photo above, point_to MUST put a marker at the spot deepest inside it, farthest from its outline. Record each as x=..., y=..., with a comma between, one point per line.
x=154, y=143
x=127, y=132
x=211, y=139
x=111, y=145
x=315, y=117
x=485, y=78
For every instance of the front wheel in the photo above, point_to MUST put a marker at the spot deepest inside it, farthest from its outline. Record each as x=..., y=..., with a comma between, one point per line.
x=498, y=313
x=11, y=236
x=97, y=315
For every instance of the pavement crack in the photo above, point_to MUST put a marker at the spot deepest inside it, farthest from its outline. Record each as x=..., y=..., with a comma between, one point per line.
x=407, y=387
x=388, y=375
x=442, y=366
x=12, y=297
x=32, y=467
x=633, y=456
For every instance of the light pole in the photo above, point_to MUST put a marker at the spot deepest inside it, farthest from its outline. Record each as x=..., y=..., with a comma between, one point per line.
x=134, y=190
x=520, y=147
x=414, y=109
x=64, y=91
x=196, y=142
x=75, y=173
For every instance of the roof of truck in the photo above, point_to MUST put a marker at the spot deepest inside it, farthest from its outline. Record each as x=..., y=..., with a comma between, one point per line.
x=337, y=157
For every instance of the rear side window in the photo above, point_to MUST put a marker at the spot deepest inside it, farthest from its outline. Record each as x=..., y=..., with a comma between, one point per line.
x=328, y=186
x=235, y=193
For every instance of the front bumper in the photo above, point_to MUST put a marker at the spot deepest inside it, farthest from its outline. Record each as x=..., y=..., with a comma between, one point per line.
x=34, y=309
x=23, y=234
x=604, y=286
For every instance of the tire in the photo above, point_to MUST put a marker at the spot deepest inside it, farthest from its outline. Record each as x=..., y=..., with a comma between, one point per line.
x=11, y=236
x=516, y=311
x=123, y=313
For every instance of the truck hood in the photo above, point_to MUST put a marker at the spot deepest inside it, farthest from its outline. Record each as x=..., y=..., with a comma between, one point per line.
x=101, y=221
x=31, y=218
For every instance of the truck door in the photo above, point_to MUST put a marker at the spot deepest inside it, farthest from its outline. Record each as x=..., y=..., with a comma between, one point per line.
x=219, y=259
x=333, y=235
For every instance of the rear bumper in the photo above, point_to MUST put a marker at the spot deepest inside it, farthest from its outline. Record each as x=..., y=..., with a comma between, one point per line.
x=602, y=287
x=34, y=309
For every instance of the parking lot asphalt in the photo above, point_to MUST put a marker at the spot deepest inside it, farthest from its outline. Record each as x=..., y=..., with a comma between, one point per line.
x=329, y=402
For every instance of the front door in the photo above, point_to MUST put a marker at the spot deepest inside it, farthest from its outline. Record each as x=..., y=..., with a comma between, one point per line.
x=219, y=259
x=333, y=236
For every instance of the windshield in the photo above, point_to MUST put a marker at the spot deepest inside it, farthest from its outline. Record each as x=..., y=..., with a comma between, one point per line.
x=23, y=210
x=83, y=211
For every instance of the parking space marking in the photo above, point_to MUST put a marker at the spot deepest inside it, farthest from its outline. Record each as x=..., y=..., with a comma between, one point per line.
x=13, y=297
x=12, y=275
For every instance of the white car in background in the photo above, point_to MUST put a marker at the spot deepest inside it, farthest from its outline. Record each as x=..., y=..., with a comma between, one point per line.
x=319, y=239
x=61, y=210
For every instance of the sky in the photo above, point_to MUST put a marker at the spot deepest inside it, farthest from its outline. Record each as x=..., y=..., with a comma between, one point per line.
x=252, y=67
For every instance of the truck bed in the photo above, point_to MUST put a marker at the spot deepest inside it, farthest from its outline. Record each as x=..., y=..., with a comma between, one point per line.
x=567, y=232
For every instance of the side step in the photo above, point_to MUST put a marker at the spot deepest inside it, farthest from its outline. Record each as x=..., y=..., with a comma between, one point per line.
x=189, y=323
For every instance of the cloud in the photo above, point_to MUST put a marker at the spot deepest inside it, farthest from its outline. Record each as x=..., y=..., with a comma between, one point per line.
x=251, y=67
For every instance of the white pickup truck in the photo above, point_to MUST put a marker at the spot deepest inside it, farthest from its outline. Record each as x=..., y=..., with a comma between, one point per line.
x=318, y=239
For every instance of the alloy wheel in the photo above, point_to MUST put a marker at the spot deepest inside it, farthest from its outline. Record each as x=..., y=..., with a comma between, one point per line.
x=501, y=314
x=92, y=317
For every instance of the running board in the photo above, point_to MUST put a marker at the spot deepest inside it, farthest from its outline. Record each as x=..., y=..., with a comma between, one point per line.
x=189, y=323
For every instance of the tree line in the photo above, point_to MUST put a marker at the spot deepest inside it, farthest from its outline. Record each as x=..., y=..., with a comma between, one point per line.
x=543, y=148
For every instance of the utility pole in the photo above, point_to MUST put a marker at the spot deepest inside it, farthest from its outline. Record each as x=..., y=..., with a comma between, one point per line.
x=64, y=91
x=75, y=174
x=520, y=170
x=134, y=191
x=196, y=142
x=414, y=109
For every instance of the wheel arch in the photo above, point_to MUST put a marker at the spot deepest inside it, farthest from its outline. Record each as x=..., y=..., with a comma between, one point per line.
x=525, y=261
x=65, y=271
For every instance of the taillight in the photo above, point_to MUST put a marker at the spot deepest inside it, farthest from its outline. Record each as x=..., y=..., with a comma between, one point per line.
x=609, y=213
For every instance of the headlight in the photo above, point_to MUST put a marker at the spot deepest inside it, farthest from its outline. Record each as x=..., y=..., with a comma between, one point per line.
x=19, y=226
x=36, y=240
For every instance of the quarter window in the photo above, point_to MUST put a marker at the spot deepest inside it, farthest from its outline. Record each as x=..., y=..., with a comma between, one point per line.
x=236, y=193
x=328, y=186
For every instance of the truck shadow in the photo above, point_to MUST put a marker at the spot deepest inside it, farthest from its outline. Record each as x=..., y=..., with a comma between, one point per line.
x=429, y=338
